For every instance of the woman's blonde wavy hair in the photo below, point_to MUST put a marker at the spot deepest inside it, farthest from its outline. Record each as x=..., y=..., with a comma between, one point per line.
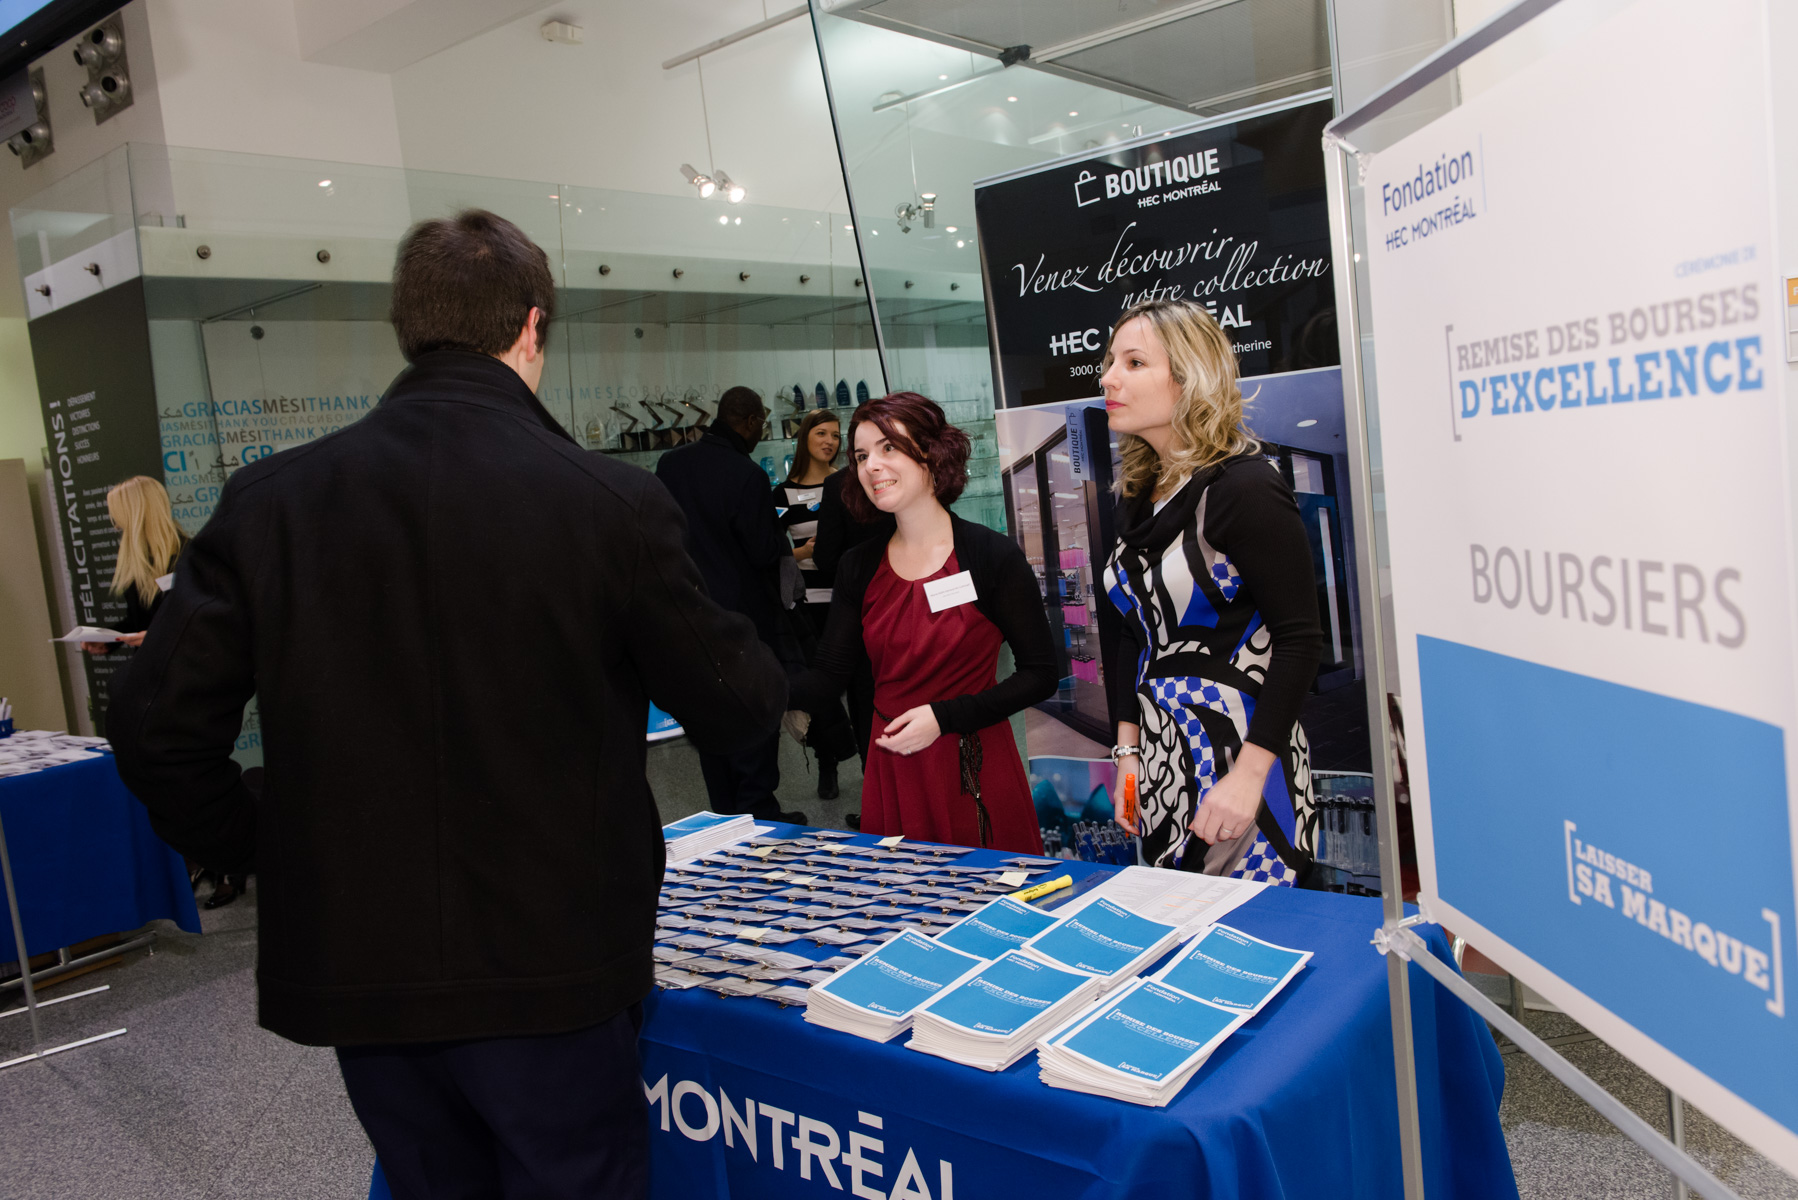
x=1208, y=425
x=149, y=539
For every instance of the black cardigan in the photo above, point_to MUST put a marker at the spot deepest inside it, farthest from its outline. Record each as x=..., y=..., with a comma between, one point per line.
x=1006, y=593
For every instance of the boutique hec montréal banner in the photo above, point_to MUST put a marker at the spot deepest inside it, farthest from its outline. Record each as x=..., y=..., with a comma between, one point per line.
x=1581, y=382
x=1233, y=216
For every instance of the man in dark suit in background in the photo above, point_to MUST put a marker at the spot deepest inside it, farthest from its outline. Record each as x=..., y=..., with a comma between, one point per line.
x=454, y=619
x=733, y=535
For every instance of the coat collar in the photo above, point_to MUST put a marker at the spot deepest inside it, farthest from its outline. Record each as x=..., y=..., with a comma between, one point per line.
x=470, y=378
x=723, y=434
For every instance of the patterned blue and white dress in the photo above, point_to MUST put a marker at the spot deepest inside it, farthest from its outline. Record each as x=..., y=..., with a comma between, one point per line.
x=1219, y=645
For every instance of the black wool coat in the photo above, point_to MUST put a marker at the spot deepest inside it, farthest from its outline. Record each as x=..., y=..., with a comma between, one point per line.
x=732, y=531
x=453, y=619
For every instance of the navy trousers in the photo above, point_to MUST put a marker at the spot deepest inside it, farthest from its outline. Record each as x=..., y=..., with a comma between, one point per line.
x=561, y=1117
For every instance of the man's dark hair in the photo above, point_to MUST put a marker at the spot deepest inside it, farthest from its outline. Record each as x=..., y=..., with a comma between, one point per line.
x=740, y=406
x=467, y=283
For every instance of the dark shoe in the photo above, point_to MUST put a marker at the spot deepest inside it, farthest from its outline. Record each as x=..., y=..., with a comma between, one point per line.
x=226, y=892
x=795, y=818
x=853, y=820
x=827, y=780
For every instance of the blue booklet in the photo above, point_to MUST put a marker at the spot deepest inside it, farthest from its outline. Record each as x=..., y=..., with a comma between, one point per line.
x=1150, y=1032
x=697, y=823
x=901, y=975
x=1006, y=995
x=1226, y=966
x=1005, y=924
x=1103, y=939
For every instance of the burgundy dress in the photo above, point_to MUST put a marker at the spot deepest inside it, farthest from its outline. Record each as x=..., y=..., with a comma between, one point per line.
x=920, y=657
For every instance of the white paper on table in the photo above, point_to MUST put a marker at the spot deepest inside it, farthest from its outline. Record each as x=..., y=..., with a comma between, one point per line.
x=88, y=633
x=1181, y=898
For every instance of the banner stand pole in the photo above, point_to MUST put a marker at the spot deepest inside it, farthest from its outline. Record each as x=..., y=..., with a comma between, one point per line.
x=1398, y=980
x=1403, y=943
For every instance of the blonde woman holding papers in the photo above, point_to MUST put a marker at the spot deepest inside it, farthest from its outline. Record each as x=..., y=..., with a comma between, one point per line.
x=149, y=544
x=1220, y=636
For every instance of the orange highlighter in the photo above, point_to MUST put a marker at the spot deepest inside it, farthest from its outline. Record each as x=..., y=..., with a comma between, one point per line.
x=1130, y=801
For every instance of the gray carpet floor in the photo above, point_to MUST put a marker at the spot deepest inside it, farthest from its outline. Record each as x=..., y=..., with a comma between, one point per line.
x=195, y=1102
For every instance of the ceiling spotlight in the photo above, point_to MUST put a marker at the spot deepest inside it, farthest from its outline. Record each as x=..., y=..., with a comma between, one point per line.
x=929, y=209
x=1073, y=114
x=733, y=191
x=705, y=183
x=324, y=183
x=942, y=77
x=960, y=244
x=722, y=220
x=1013, y=99
x=949, y=229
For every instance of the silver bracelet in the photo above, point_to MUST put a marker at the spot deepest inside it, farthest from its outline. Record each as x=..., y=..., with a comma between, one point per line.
x=1118, y=752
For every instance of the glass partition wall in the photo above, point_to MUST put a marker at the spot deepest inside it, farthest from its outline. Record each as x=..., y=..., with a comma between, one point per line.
x=262, y=287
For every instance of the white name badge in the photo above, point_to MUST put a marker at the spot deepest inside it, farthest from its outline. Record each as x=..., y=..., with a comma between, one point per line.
x=949, y=592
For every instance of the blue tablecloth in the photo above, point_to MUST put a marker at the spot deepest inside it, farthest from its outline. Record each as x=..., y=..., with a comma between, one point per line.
x=85, y=861
x=1299, y=1103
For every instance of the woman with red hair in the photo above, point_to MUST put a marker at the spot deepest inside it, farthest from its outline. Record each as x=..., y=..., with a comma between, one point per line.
x=928, y=608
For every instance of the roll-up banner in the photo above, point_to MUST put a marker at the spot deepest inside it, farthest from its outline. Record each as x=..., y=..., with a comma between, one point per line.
x=1231, y=214
x=1581, y=379
x=98, y=392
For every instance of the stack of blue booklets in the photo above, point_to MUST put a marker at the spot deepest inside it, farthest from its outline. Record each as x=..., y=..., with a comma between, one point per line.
x=1003, y=925
x=1143, y=1043
x=1140, y=1045
x=992, y=1018
x=1103, y=939
x=876, y=997
x=1233, y=970
x=704, y=832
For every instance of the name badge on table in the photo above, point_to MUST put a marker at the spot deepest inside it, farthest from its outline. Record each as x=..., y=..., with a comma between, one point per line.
x=949, y=592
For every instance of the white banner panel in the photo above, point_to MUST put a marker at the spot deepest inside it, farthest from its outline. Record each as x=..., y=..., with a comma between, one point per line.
x=1577, y=304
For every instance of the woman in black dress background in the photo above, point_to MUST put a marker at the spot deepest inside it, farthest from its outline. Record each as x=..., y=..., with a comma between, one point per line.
x=799, y=502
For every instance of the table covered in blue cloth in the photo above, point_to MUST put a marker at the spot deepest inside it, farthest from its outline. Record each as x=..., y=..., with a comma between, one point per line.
x=85, y=861
x=749, y=1101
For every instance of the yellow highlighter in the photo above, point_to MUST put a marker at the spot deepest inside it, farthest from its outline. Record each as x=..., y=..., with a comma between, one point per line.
x=1043, y=889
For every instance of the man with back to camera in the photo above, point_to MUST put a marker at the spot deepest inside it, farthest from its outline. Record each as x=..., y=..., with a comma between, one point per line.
x=735, y=538
x=454, y=620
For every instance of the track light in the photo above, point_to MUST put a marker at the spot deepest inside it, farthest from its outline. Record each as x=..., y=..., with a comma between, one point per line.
x=705, y=183
x=929, y=207
x=733, y=191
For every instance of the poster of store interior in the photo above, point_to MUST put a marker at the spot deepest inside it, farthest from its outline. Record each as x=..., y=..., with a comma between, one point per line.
x=1241, y=227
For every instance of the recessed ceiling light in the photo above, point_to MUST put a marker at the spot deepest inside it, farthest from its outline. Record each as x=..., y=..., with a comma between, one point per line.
x=950, y=228
x=1307, y=424
x=1013, y=99
x=960, y=244
x=849, y=229
x=942, y=77
x=724, y=220
x=324, y=183
x=739, y=220
x=1073, y=114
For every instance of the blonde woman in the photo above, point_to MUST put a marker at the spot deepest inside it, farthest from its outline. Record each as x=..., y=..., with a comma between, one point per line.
x=149, y=544
x=1220, y=636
